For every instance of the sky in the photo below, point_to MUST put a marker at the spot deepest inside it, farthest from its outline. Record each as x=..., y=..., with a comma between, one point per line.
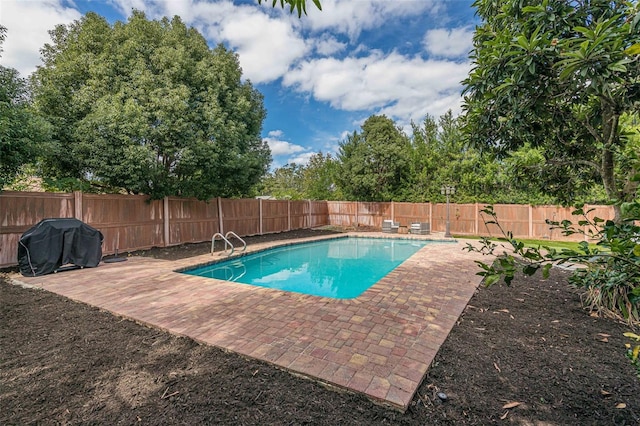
x=321, y=75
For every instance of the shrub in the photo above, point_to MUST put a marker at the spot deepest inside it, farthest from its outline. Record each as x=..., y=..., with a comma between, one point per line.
x=608, y=274
x=633, y=353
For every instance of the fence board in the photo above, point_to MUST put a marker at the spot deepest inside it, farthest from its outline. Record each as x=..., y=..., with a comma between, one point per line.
x=275, y=216
x=319, y=214
x=128, y=222
x=299, y=214
x=342, y=213
x=19, y=211
x=372, y=214
x=192, y=221
x=407, y=213
x=241, y=216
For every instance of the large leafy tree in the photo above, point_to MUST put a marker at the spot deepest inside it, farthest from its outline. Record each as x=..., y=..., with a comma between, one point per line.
x=21, y=130
x=320, y=178
x=148, y=107
x=285, y=182
x=440, y=156
x=374, y=164
x=557, y=75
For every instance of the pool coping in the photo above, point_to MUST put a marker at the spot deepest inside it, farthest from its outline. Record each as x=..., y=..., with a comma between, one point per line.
x=380, y=344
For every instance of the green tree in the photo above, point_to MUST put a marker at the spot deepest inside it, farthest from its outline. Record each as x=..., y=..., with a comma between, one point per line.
x=320, y=178
x=374, y=164
x=556, y=75
x=285, y=182
x=148, y=107
x=440, y=155
x=21, y=130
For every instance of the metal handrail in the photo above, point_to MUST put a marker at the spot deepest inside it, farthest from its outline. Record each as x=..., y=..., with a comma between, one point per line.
x=227, y=243
x=233, y=234
x=225, y=269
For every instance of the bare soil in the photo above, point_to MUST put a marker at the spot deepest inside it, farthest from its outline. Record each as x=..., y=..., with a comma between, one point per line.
x=63, y=362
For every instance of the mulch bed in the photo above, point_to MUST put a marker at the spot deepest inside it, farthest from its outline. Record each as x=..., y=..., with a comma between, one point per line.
x=63, y=362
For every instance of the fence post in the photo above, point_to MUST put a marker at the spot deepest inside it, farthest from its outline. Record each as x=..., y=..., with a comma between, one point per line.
x=309, y=222
x=288, y=215
x=220, y=221
x=393, y=212
x=260, y=214
x=77, y=203
x=165, y=202
x=530, y=221
x=431, y=216
x=477, y=219
x=357, y=211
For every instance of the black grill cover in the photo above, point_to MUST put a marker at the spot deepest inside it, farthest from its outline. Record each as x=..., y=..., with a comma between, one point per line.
x=53, y=243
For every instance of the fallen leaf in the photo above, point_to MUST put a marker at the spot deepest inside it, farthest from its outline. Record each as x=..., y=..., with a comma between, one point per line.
x=511, y=405
x=520, y=300
x=605, y=393
x=621, y=405
x=504, y=416
x=497, y=368
x=511, y=316
x=594, y=314
x=604, y=335
x=555, y=321
x=605, y=340
x=506, y=311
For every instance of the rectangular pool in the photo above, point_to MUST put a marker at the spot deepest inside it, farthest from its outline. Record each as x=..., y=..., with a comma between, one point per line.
x=340, y=268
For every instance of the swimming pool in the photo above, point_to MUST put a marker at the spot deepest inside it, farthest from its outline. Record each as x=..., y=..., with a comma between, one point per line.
x=341, y=268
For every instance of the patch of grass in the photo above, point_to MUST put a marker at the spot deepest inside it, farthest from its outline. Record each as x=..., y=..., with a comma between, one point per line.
x=558, y=245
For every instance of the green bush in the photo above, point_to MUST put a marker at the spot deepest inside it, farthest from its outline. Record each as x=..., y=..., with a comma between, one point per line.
x=608, y=275
x=633, y=352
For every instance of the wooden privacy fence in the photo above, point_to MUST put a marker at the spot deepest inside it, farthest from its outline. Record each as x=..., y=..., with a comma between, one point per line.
x=525, y=221
x=132, y=222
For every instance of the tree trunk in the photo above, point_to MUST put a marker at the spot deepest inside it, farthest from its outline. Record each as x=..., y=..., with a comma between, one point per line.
x=608, y=180
x=610, y=139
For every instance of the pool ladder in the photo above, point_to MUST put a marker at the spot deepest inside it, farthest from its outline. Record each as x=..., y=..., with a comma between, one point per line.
x=227, y=242
x=230, y=273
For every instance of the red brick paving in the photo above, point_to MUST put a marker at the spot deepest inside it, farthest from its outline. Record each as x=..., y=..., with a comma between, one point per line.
x=380, y=343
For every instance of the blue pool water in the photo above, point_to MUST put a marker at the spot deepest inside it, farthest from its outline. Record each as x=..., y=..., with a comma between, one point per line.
x=342, y=268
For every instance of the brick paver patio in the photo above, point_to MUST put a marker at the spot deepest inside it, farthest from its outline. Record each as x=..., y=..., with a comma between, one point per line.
x=380, y=343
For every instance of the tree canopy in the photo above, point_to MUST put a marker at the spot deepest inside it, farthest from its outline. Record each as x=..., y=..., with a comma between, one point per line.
x=374, y=163
x=436, y=153
x=556, y=75
x=148, y=107
x=20, y=129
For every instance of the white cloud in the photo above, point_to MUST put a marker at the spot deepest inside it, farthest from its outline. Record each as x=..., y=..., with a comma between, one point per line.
x=284, y=152
x=301, y=159
x=267, y=47
x=280, y=147
x=275, y=133
x=449, y=43
x=267, y=44
x=393, y=84
x=125, y=7
x=328, y=45
x=350, y=17
x=28, y=23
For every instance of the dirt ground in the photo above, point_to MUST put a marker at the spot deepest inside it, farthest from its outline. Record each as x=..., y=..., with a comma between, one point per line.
x=62, y=362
